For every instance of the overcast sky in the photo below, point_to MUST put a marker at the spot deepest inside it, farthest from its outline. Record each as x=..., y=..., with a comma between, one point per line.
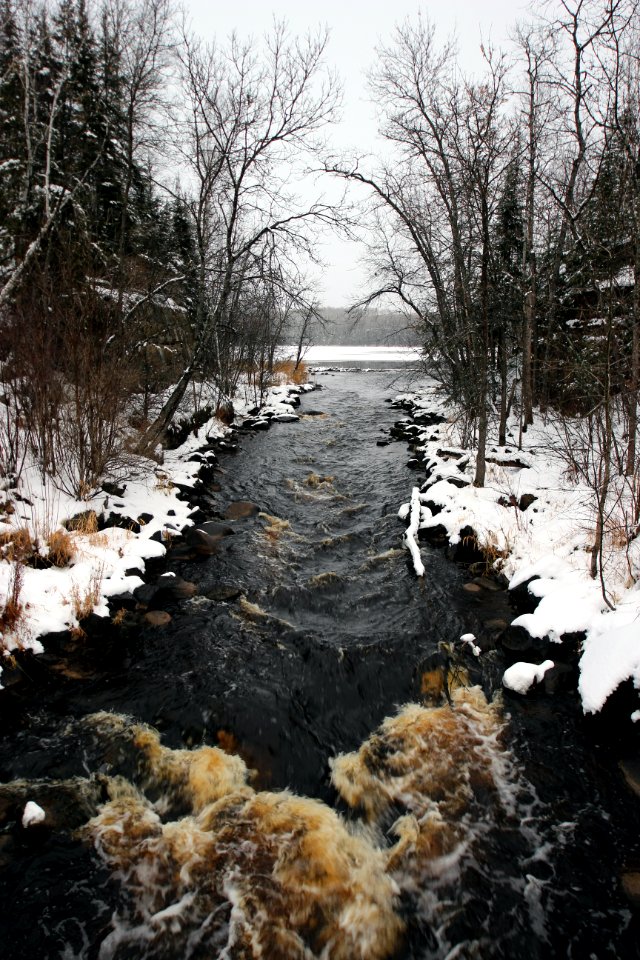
x=356, y=27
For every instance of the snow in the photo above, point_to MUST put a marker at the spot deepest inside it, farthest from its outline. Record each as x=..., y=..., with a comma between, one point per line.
x=520, y=677
x=32, y=815
x=546, y=546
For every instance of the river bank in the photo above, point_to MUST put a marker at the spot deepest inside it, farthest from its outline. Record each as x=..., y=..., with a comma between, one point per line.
x=532, y=528
x=65, y=561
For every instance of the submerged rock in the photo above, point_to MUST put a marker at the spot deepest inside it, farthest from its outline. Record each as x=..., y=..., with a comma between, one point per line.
x=240, y=510
x=157, y=618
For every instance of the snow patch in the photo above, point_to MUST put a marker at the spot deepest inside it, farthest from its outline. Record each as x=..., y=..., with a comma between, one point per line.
x=521, y=676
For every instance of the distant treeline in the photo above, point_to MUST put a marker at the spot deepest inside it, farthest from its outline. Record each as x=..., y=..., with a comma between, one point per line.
x=372, y=327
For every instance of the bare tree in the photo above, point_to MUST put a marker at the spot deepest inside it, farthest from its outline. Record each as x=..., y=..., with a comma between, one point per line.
x=252, y=114
x=433, y=209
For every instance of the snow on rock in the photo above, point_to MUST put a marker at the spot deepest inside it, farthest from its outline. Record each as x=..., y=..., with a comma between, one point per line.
x=520, y=677
x=32, y=815
x=469, y=640
x=411, y=532
x=611, y=655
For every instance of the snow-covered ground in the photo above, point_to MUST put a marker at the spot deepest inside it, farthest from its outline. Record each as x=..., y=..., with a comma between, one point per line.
x=95, y=562
x=544, y=540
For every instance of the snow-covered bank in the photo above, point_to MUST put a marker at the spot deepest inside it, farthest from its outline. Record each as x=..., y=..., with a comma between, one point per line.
x=535, y=521
x=62, y=558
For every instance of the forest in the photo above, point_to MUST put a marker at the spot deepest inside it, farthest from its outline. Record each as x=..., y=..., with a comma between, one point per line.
x=153, y=250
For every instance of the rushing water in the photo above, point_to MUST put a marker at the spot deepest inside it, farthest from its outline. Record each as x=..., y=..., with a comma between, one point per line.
x=228, y=785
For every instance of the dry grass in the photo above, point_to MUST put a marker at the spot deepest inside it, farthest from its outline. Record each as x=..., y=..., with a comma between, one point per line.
x=17, y=545
x=84, y=523
x=61, y=548
x=285, y=371
x=85, y=601
x=13, y=612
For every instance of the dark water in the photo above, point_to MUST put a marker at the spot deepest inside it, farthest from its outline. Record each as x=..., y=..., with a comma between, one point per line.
x=334, y=634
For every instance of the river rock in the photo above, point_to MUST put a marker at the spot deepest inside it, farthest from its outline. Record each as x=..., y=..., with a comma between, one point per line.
x=559, y=677
x=223, y=594
x=286, y=417
x=157, y=618
x=202, y=544
x=167, y=589
x=216, y=529
x=631, y=772
x=631, y=886
x=240, y=510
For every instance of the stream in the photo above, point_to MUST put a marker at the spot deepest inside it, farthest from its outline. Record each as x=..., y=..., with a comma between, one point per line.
x=464, y=826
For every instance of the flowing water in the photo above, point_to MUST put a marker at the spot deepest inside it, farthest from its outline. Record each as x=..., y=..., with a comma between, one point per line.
x=291, y=772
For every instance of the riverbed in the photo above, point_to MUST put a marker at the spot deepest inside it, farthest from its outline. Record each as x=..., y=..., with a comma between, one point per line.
x=502, y=834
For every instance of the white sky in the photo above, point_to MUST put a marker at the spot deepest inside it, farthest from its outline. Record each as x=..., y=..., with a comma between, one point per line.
x=356, y=28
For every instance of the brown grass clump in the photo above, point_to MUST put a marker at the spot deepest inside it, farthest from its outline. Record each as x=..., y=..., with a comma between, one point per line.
x=285, y=371
x=314, y=481
x=13, y=611
x=61, y=548
x=17, y=545
x=84, y=523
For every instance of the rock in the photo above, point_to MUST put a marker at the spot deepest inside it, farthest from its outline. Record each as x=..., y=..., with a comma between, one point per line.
x=485, y=583
x=286, y=417
x=559, y=677
x=216, y=529
x=472, y=588
x=517, y=639
x=222, y=594
x=114, y=489
x=118, y=520
x=631, y=773
x=203, y=544
x=630, y=881
x=240, y=510
x=495, y=625
x=157, y=618
x=166, y=590
x=145, y=518
x=526, y=500
x=458, y=482
x=382, y=443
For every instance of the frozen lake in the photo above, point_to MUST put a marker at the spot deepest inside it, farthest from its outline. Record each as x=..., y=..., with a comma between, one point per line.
x=364, y=355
